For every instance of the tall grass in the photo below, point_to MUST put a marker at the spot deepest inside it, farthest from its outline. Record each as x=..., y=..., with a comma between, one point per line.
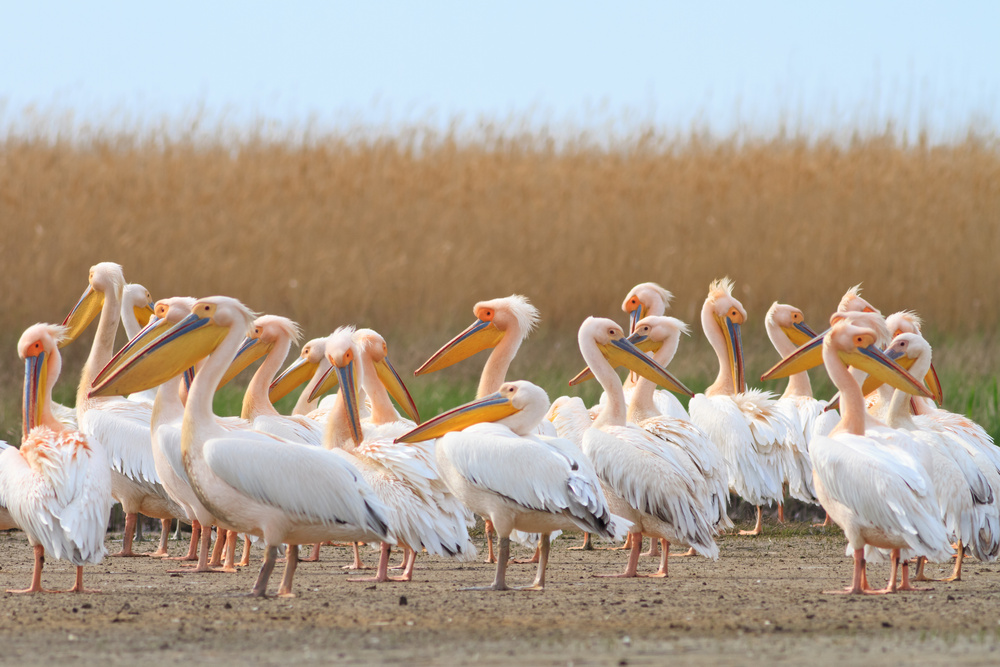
x=404, y=230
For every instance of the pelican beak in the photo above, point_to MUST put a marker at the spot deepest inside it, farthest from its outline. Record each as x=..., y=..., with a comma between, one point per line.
x=481, y=335
x=86, y=309
x=643, y=342
x=885, y=371
x=152, y=330
x=144, y=313
x=250, y=351
x=325, y=384
x=734, y=350
x=489, y=409
x=349, y=390
x=188, y=378
x=635, y=315
x=35, y=377
x=393, y=384
x=799, y=333
x=169, y=354
x=809, y=355
x=931, y=380
x=621, y=352
x=299, y=372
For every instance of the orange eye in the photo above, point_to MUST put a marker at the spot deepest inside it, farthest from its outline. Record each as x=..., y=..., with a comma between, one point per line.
x=348, y=356
x=796, y=317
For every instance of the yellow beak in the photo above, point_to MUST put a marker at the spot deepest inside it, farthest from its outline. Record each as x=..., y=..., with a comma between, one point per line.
x=809, y=355
x=169, y=354
x=885, y=371
x=299, y=372
x=799, y=333
x=151, y=331
x=86, y=309
x=931, y=380
x=621, y=352
x=479, y=336
x=143, y=313
x=250, y=351
x=36, y=371
x=393, y=384
x=489, y=409
x=325, y=384
x=349, y=392
x=644, y=343
x=734, y=350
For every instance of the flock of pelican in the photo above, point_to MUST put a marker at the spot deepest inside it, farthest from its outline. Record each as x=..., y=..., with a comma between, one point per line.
x=903, y=478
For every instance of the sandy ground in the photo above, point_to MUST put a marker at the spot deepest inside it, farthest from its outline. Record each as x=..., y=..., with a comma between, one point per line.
x=760, y=603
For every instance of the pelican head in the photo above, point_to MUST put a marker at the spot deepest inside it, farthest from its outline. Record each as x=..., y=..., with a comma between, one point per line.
x=104, y=278
x=494, y=319
x=618, y=350
x=179, y=347
x=138, y=298
x=852, y=301
x=344, y=356
x=268, y=330
x=906, y=349
x=518, y=405
x=38, y=347
x=905, y=321
x=375, y=348
x=723, y=314
x=300, y=371
x=645, y=299
x=855, y=346
x=791, y=321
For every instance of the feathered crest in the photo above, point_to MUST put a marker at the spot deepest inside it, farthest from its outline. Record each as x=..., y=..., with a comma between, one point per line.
x=56, y=333
x=873, y=321
x=899, y=321
x=519, y=306
x=283, y=324
x=665, y=294
x=134, y=294
x=720, y=287
x=113, y=272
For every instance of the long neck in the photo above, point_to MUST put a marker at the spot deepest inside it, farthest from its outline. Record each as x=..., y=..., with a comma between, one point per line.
x=723, y=384
x=167, y=406
x=129, y=322
x=338, y=427
x=303, y=405
x=51, y=375
x=798, y=384
x=899, y=414
x=103, y=347
x=198, y=415
x=255, y=400
x=383, y=411
x=495, y=370
x=852, y=402
x=614, y=411
x=642, y=406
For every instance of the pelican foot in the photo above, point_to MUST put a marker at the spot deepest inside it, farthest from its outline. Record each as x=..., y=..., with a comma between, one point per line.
x=494, y=587
x=532, y=587
x=39, y=589
x=754, y=532
x=524, y=561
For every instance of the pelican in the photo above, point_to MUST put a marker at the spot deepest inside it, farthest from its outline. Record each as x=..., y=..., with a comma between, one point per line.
x=309, y=367
x=57, y=486
x=502, y=470
x=251, y=482
x=273, y=336
x=786, y=329
x=877, y=492
x=701, y=458
x=642, y=479
x=501, y=324
x=137, y=308
x=121, y=426
x=742, y=422
x=421, y=511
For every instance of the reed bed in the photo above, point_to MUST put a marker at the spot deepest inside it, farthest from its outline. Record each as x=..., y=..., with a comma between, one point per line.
x=406, y=229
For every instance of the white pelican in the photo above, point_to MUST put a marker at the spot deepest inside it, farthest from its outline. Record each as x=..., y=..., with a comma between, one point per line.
x=309, y=367
x=742, y=422
x=57, y=487
x=501, y=324
x=6, y=520
x=519, y=480
x=252, y=482
x=421, y=511
x=701, y=457
x=272, y=336
x=122, y=426
x=642, y=479
x=786, y=329
x=872, y=488
x=137, y=308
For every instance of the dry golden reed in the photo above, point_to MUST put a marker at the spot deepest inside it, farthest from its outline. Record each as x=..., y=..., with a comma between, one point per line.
x=404, y=232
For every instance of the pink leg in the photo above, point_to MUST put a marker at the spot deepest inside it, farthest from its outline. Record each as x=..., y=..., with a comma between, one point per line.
x=220, y=546
x=631, y=570
x=78, y=586
x=291, y=562
x=245, y=559
x=689, y=552
x=664, y=558
x=126, y=552
x=759, y=527
x=500, y=578
x=781, y=513
x=357, y=564
x=36, y=574
x=826, y=522
x=654, y=548
x=382, y=573
x=534, y=557
x=313, y=554
x=192, y=553
x=586, y=546
x=906, y=585
x=161, y=550
x=488, y=530
x=543, y=560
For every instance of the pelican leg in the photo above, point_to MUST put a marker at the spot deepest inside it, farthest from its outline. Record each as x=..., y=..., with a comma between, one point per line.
x=78, y=586
x=36, y=574
x=906, y=585
x=382, y=573
x=654, y=548
x=313, y=554
x=919, y=574
x=205, y=546
x=587, y=545
x=245, y=559
x=291, y=562
x=664, y=558
x=220, y=546
x=260, y=588
x=543, y=561
x=956, y=574
x=192, y=553
x=130, y=522
x=631, y=570
x=759, y=526
x=488, y=531
x=534, y=557
x=411, y=560
x=229, y=565
x=628, y=543
x=781, y=513
x=826, y=522
x=689, y=552
x=500, y=579
x=357, y=564
x=161, y=551
x=406, y=559
x=859, y=583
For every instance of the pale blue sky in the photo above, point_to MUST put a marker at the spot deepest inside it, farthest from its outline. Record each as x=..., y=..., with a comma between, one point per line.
x=827, y=65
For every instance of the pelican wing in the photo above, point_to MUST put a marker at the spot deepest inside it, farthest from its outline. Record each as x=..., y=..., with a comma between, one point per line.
x=294, y=428
x=310, y=483
x=529, y=472
x=122, y=427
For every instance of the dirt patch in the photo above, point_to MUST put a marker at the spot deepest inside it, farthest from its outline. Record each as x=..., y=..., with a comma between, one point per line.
x=762, y=601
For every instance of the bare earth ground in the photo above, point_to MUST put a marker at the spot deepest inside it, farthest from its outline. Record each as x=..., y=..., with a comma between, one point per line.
x=760, y=603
